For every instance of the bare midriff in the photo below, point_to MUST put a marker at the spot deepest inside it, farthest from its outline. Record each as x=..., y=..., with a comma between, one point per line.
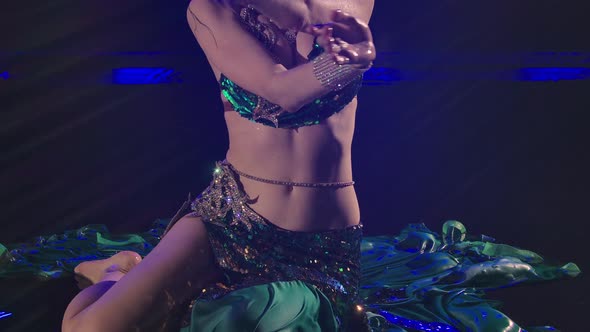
x=311, y=154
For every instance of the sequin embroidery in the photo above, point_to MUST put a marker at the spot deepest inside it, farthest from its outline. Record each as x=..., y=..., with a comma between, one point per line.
x=252, y=251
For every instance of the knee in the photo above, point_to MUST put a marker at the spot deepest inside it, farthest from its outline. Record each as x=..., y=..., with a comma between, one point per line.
x=82, y=321
x=69, y=321
x=77, y=324
x=85, y=324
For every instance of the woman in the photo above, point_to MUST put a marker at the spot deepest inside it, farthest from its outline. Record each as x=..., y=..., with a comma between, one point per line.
x=274, y=243
x=287, y=177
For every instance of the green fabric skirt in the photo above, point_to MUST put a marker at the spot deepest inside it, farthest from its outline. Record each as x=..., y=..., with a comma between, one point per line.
x=419, y=280
x=277, y=306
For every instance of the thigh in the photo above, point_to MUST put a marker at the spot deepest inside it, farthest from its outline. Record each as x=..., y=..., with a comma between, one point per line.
x=176, y=269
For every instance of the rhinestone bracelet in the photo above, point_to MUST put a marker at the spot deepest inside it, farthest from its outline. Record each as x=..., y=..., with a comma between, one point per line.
x=332, y=75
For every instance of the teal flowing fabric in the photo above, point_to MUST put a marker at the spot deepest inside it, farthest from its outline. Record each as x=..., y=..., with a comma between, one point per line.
x=424, y=281
x=57, y=255
x=261, y=308
x=418, y=280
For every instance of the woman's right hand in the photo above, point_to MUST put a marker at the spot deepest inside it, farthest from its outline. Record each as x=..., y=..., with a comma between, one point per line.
x=349, y=39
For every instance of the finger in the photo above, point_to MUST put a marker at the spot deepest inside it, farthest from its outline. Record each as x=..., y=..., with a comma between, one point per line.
x=367, y=50
x=328, y=30
x=357, y=55
x=352, y=34
x=341, y=28
x=335, y=48
x=324, y=38
x=342, y=60
x=338, y=44
x=345, y=19
x=309, y=29
x=316, y=29
x=341, y=43
x=346, y=22
x=324, y=30
x=350, y=53
x=340, y=16
x=325, y=41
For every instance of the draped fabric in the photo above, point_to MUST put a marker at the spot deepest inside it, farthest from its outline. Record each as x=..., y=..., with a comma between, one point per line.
x=419, y=280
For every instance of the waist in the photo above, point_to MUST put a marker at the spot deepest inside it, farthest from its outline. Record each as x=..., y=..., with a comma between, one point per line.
x=313, y=154
x=320, y=153
x=300, y=208
x=283, y=168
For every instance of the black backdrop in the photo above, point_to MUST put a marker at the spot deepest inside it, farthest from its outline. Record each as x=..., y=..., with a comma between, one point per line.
x=506, y=156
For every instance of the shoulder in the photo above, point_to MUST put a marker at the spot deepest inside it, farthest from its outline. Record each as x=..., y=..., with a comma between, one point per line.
x=205, y=10
x=365, y=9
x=209, y=17
x=208, y=4
x=361, y=9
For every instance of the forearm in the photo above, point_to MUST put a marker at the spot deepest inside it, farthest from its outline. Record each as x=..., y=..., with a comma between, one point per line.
x=241, y=57
x=299, y=86
x=340, y=65
x=293, y=88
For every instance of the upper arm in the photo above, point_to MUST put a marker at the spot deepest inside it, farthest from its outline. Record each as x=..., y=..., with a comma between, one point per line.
x=230, y=48
x=370, y=5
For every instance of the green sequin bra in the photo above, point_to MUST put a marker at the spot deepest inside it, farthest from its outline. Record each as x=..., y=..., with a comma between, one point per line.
x=260, y=110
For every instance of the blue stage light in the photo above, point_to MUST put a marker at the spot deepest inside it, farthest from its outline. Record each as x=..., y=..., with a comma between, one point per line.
x=145, y=75
x=553, y=74
x=4, y=75
x=4, y=314
x=381, y=76
x=416, y=324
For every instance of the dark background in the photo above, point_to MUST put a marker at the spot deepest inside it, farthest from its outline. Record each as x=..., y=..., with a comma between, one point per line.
x=506, y=156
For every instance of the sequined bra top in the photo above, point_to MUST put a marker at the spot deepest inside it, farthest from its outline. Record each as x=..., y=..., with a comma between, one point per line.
x=260, y=110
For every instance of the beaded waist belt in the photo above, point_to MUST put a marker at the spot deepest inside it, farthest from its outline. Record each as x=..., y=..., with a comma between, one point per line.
x=290, y=183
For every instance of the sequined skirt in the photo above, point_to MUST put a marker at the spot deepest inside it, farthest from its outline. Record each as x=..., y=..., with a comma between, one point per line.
x=251, y=252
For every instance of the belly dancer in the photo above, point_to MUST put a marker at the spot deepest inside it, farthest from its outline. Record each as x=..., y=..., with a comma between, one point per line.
x=275, y=242
x=275, y=239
